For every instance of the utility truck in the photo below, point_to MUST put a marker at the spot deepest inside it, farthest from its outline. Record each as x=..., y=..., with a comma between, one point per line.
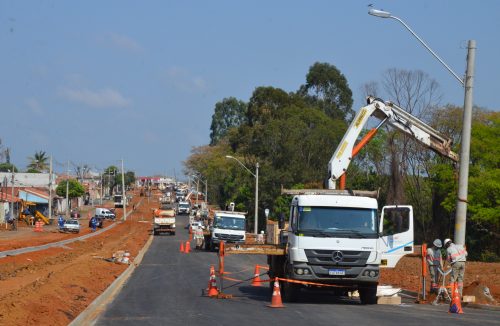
x=339, y=237
x=227, y=226
x=164, y=220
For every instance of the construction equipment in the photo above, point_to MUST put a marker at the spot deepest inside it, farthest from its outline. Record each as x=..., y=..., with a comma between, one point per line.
x=41, y=217
x=396, y=117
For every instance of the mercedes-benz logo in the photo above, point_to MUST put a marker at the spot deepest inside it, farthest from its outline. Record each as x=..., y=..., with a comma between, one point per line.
x=337, y=256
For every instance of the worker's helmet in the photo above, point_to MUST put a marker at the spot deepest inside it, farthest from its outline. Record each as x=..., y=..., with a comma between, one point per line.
x=437, y=243
x=447, y=242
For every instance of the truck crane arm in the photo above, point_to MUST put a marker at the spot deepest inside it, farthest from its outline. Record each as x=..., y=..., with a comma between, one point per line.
x=396, y=117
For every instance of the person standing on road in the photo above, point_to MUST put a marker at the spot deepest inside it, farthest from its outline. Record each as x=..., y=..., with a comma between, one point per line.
x=456, y=256
x=93, y=223
x=434, y=263
x=60, y=222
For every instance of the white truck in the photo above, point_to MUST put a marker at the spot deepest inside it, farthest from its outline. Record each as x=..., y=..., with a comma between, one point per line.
x=164, y=220
x=228, y=226
x=339, y=237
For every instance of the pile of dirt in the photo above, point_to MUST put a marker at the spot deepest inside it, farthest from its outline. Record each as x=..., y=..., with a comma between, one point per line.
x=407, y=275
x=51, y=287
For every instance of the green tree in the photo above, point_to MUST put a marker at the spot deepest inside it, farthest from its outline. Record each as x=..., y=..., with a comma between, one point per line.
x=38, y=161
x=265, y=104
x=229, y=113
x=76, y=189
x=327, y=88
x=8, y=167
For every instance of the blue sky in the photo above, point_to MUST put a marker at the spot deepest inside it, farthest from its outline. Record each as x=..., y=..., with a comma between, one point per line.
x=93, y=82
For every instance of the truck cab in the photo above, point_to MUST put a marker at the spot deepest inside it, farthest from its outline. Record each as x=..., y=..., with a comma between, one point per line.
x=227, y=226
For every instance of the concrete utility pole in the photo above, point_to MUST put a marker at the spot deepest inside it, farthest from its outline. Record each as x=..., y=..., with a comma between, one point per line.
x=67, y=192
x=12, y=198
x=50, y=189
x=124, y=195
x=463, y=175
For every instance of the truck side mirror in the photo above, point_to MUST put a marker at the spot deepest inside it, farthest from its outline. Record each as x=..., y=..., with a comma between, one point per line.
x=281, y=221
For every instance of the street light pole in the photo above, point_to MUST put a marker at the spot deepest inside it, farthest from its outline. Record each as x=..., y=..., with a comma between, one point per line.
x=468, y=82
x=256, y=176
x=124, y=196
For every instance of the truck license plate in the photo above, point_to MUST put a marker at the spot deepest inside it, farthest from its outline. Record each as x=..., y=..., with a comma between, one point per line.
x=336, y=272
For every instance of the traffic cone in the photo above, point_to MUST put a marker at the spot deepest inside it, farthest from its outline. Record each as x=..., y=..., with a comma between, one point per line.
x=276, y=299
x=455, y=305
x=256, y=277
x=188, y=247
x=212, y=273
x=182, y=247
x=213, y=291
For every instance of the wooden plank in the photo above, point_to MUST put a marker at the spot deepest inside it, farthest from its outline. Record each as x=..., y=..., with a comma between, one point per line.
x=253, y=249
x=389, y=300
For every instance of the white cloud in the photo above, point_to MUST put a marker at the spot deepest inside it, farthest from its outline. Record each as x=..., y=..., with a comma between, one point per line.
x=34, y=106
x=123, y=42
x=104, y=98
x=182, y=80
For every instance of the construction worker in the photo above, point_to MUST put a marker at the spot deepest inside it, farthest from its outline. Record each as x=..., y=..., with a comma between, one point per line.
x=60, y=222
x=434, y=262
x=456, y=256
x=93, y=223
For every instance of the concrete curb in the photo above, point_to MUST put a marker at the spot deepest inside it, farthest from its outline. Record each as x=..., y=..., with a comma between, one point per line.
x=90, y=315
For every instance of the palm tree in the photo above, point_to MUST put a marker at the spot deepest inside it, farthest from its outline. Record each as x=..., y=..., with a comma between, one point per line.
x=38, y=161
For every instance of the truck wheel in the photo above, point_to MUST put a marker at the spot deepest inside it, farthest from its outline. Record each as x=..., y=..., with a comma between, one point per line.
x=155, y=232
x=172, y=233
x=368, y=294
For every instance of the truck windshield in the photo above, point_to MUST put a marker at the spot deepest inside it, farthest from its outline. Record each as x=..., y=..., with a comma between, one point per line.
x=230, y=223
x=337, y=222
x=183, y=205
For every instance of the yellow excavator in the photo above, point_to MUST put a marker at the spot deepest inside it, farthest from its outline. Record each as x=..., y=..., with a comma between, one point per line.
x=29, y=218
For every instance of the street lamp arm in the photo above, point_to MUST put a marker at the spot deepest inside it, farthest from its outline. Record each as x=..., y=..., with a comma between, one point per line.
x=429, y=49
x=386, y=14
x=243, y=165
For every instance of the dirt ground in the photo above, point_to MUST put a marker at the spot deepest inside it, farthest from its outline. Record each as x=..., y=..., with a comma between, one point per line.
x=407, y=275
x=51, y=287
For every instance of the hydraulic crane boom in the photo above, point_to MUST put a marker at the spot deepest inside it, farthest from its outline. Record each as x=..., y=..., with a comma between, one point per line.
x=398, y=118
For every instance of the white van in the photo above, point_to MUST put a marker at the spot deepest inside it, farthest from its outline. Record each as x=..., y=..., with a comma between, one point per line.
x=104, y=213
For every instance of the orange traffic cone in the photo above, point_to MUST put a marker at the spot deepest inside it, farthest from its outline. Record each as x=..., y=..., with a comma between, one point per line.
x=188, y=247
x=212, y=273
x=276, y=300
x=213, y=291
x=182, y=247
x=256, y=277
x=455, y=305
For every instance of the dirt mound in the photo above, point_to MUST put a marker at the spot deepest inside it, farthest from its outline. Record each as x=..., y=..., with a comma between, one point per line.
x=481, y=292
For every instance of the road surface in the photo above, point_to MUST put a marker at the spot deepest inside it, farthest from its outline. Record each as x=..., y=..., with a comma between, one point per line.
x=167, y=289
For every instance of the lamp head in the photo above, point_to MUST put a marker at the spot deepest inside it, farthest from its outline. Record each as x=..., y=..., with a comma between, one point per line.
x=229, y=156
x=379, y=13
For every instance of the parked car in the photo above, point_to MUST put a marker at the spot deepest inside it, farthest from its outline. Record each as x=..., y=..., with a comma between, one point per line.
x=71, y=225
x=104, y=213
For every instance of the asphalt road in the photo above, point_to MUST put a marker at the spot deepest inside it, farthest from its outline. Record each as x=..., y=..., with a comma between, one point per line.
x=167, y=289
